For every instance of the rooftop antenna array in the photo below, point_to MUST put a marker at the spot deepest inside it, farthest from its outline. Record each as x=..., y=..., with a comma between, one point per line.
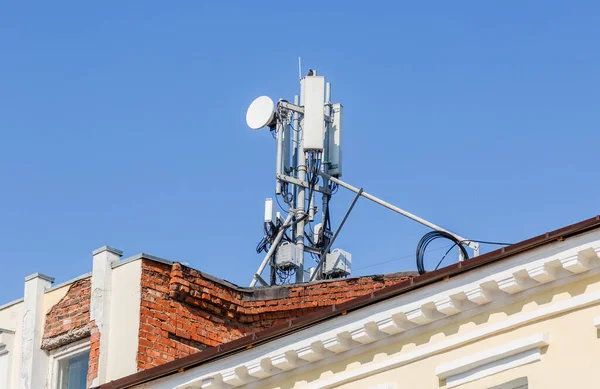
x=308, y=165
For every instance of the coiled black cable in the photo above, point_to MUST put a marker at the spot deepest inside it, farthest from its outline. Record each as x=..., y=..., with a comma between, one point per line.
x=433, y=235
x=428, y=238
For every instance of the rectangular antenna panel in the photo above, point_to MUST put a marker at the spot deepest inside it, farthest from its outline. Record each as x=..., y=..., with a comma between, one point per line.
x=313, y=96
x=335, y=142
x=287, y=135
x=269, y=211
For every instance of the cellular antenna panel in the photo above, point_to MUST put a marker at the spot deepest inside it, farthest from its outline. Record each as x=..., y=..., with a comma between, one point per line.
x=314, y=116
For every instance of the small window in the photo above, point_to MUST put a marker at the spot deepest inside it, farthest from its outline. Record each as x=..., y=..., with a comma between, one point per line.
x=72, y=371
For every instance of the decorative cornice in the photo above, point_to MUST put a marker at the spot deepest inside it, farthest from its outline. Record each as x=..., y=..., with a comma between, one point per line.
x=490, y=286
x=597, y=322
x=451, y=343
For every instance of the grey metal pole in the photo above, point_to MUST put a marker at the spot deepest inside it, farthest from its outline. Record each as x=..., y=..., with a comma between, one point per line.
x=272, y=249
x=295, y=144
x=300, y=209
x=326, y=161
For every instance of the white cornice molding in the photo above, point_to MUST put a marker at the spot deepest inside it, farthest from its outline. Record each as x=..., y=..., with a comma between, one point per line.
x=465, y=295
x=492, y=361
x=403, y=359
x=597, y=322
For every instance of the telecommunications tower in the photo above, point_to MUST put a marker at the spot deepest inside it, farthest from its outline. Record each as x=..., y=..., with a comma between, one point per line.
x=308, y=168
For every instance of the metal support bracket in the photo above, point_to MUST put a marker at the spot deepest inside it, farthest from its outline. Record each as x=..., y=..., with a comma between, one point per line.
x=473, y=245
x=261, y=280
x=290, y=106
x=312, y=250
x=298, y=109
x=304, y=184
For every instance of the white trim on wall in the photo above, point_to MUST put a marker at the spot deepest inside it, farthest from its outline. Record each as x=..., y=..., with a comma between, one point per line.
x=454, y=342
x=492, y=361
x=597, y=322
x=403, y=359
x=6, y=338
x=6, y=355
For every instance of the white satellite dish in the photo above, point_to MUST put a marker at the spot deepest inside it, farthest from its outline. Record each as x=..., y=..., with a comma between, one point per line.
x=260, y=113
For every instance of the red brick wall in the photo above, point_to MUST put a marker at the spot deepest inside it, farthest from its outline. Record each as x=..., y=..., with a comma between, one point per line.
x=94, y=353
x=184, y=311
x=69, y=321
x=71, y=312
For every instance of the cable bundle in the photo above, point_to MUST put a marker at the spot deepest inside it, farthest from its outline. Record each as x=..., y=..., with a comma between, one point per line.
x=428, y=238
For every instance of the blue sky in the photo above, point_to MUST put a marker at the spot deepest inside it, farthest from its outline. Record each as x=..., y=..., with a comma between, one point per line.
x=123, y=123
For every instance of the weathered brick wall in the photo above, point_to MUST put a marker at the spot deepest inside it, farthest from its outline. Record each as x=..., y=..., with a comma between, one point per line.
x=94, y=353
x=68, y=320
x=184, y=311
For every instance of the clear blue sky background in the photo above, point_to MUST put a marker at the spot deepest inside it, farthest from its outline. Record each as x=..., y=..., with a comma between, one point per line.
x=123, y=123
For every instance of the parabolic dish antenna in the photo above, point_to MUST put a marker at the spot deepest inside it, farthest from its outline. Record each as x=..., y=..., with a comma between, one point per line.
x=260, y=112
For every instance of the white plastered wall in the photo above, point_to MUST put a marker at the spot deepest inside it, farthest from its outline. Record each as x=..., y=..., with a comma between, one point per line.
x=125, y=320
x=11, y=318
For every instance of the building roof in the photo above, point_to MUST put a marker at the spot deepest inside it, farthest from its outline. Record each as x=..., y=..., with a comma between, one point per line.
x=293, y=325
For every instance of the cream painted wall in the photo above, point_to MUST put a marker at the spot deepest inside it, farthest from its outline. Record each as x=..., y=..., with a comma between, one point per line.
x=11, y=318
x=570, y=361
x=4, y=371
x=125, y=320
x=54, y=296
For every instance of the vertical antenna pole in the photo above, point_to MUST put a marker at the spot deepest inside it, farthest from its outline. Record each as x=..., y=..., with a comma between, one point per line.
x=300, y=203
x=325, y=165
x=299, y=68
x=295, y=145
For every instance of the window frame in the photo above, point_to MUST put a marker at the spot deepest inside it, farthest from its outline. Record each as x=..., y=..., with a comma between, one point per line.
x=60, y=354
x=519, y=383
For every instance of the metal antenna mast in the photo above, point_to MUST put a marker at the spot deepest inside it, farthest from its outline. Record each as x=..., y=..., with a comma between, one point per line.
x=308, y=164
